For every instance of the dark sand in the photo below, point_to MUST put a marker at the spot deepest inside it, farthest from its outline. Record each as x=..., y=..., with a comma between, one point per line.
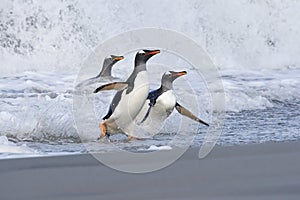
x=264, y=171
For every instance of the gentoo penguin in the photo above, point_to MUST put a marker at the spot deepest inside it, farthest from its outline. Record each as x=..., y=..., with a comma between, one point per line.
x=129, y=99
x=105, y=72
x=161, y=102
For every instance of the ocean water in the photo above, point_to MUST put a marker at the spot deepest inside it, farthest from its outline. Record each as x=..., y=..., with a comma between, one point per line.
x=42, y=45
x=37, y=116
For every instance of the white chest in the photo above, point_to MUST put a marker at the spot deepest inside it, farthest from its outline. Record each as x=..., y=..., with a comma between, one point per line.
x=137, y=97
x=130, y=104
x=166, y=101
x=141, y=80
x=162, y=109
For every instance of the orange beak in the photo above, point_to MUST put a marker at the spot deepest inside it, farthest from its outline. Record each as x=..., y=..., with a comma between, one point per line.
x=153, y=52
x=180, y=73
x=119, y=58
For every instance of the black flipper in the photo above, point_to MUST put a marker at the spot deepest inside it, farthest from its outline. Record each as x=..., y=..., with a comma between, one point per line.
x=188, y=114
x=147, y=114
x=109, y=113
x=112, y=86
x=152, y=96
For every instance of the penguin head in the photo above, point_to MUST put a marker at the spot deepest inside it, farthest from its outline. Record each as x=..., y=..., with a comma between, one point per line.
x=143, y=55
x=168, y=78
x=112, y=59
x=109, y=61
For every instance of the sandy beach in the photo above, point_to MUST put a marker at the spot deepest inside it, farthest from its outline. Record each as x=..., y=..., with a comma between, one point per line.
x=260, y=171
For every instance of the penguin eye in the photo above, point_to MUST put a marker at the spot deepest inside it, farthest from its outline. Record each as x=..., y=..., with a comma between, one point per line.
x=169, y=74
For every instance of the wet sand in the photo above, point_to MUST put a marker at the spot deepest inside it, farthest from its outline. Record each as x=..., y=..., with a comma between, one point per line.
x=261, y=171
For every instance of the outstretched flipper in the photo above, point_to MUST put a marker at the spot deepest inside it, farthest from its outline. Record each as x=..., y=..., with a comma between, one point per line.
x=112, y=86
x=182, y=110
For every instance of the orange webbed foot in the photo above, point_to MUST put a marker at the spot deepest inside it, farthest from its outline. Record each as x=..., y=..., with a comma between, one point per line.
x=103, y=130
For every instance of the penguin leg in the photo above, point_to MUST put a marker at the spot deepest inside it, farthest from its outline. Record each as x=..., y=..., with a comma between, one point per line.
x=129, y=132
x=182, y=110
x=103, y=130
x=112, y=86
x=131, y=137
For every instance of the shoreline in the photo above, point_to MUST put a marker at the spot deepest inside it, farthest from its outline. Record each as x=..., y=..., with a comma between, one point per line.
x=254, y=171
